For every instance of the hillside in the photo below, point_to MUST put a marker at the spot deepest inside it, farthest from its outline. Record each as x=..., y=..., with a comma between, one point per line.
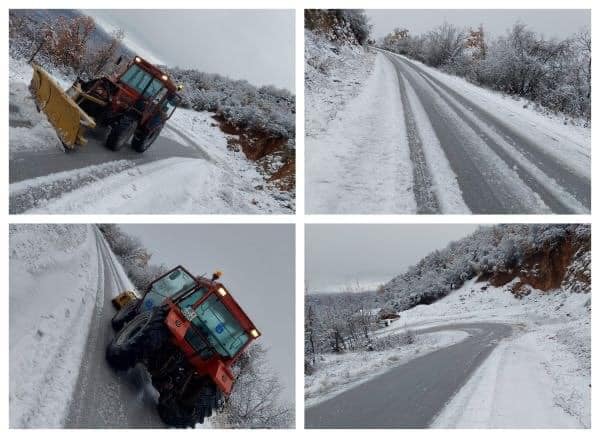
x=542, y=257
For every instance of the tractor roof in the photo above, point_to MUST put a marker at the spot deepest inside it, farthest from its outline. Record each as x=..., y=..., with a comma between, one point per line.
x=156, y=72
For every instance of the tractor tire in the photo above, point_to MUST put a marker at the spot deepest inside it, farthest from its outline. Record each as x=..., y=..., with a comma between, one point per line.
x=142, y=142
x=187, y=413
x=124, y=315
x=143, y=336
x=121, y=132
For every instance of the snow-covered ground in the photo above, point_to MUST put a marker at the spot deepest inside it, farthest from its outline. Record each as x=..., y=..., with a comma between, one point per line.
x=54, y=282
x=173, y=185
x=220, y=180
x=334, y=74
x=335, y=373
x=363, y=152
x=539, y=377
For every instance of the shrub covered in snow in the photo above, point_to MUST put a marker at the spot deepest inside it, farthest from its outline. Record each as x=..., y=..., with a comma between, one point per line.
x=553, y=73
x=266, y=109
x=488, y=251
x=67, y=41
x=255, y=401
x=392, y=341
x=341, y=25
x=340, y=322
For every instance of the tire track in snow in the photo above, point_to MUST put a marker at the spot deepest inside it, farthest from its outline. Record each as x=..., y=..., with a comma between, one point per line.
x=576, y=184
x=427, y=202
x=104, y=398
x=545, y=186
x=487, y=184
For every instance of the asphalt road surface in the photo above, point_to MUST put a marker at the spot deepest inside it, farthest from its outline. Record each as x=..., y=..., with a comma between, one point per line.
x=104, y=398
x=485, y=189
x=27, y=165
x=411, y=395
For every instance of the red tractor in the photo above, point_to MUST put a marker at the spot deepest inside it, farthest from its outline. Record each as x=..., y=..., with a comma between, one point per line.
x=133, y=104
x=187, y=331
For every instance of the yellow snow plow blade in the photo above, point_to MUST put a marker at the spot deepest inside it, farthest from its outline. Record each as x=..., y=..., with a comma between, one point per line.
x=62, y=112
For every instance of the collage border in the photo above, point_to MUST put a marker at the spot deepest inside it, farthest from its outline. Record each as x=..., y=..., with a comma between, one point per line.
x=299, y=219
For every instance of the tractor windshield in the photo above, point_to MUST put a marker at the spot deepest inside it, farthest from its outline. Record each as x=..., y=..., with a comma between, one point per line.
x=141, y=81
x=216, y=322
x=171, y=284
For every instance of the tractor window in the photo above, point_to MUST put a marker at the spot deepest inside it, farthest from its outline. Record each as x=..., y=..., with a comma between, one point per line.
x=171, y=284
x=193, y=298
x=169, y=106
x=136, y=78
x=223, y=331
x=153, y=89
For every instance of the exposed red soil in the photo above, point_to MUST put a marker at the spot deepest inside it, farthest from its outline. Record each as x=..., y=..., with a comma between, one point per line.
x=261, y=147
x=544, y=270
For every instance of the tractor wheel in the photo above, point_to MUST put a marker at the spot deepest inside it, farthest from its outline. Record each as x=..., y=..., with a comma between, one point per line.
x=124, y=315
x=186, y=413
x=143, y=336
x=120, y=132
x=142, y=142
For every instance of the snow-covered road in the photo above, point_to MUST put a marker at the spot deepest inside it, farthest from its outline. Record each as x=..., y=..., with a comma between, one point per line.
x=102, y=397
x=416, y=140
x=61, y=284
x=412, y=394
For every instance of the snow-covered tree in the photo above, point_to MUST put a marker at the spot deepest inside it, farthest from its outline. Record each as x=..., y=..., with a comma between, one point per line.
x=255, y=401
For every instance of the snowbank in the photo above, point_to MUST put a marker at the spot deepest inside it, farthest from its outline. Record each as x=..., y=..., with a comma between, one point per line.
x=55, y=276
x=336, y=373
x=546, y=363
x=530, y=382
x=173, y=185
x=334, y=74
x=361, y=163
x=29, y=130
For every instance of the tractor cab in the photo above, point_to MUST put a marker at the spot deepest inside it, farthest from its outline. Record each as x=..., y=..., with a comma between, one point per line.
x=206, y=322
x=148, y=86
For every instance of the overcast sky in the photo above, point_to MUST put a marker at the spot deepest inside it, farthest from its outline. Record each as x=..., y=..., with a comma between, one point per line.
x=339, y=255
x=256, y=45
x=258, y=269
x=551, y=23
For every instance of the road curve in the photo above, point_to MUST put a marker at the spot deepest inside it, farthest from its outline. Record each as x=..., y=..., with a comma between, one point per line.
x=498, y=169
x=104, y=398
x=412, y=394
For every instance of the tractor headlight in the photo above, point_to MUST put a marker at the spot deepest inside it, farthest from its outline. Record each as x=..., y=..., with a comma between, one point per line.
x=222, y=291
x=164, y=77
x=254, y=333
x=138, y=59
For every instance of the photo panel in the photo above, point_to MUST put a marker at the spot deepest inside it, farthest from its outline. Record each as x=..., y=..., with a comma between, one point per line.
x=447, y=326
x=151, y=326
